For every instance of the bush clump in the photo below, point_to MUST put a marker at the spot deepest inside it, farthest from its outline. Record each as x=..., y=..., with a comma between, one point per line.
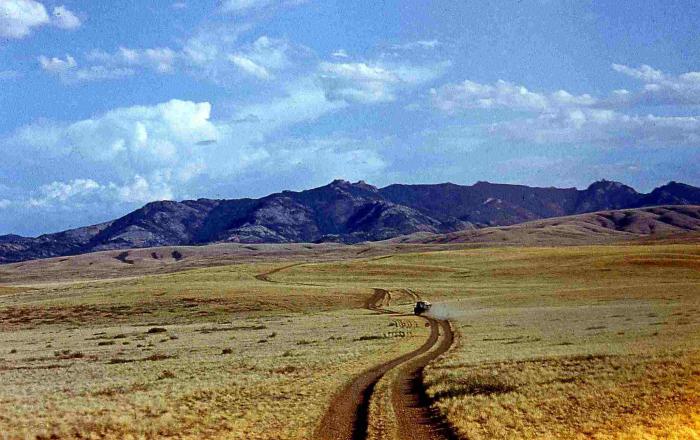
x=477, y=385
x=153, y=330
x=369, y=338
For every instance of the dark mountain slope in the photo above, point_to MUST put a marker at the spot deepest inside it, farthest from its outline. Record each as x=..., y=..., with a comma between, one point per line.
x=484, y=203
x=606, y=195
x=342, y=212
x=672, y=193
x=156, y=224
x=70, y=242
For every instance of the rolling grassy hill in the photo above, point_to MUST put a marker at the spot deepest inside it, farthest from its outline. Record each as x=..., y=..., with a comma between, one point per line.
x=660, y=222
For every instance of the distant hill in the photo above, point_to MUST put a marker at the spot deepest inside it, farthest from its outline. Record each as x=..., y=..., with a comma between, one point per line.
x=660, y=222
x=341, y=212
x=655, y=225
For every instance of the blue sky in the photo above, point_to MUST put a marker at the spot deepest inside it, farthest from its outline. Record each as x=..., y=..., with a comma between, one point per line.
x=105, y=106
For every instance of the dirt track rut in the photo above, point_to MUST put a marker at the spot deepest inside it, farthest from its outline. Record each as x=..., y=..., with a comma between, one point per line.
x=347, y=417
x=415, y=417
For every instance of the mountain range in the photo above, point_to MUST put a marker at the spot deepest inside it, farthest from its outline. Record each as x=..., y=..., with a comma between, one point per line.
x=342, y=212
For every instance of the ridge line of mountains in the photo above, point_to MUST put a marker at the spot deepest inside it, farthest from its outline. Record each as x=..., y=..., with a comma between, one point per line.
x=341, y=212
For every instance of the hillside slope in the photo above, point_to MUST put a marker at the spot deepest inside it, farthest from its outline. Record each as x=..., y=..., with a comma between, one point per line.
x=660, y=222
x=664, y=224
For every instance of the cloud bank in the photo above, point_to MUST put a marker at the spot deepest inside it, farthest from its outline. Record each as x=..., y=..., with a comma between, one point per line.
x=564, y=118
x=170, y=150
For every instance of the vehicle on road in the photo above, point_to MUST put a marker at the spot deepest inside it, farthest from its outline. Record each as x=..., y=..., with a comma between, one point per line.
x=421, y=307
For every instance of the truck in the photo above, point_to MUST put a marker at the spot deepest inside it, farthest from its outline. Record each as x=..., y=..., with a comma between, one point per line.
x=421, y=307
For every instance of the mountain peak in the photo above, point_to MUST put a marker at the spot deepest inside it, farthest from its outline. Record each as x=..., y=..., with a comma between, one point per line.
x=347, y=185
x=339, y=182
x=674, y=185
x=673, y=193
x=341, y=210
x=606, y=194
x=364, y=185
x=343, y=182
x=607, y=184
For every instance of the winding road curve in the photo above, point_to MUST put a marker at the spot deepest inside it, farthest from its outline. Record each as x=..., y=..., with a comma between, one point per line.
x=347, y=416
x=415, y=417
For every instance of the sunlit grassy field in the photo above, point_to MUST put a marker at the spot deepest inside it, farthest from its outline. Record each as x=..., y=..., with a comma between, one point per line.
x=564, y=342
x=570, y=342
x=205, y=353
x=251, y=377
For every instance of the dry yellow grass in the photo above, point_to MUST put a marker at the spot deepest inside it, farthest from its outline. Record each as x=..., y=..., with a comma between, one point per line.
x=589, y=342
x=253, y=378
x=572, y=396
x=618, y=325
x=194, y=295
x=241, y=357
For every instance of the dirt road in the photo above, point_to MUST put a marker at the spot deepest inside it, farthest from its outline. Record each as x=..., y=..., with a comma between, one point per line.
x=415, y=418
x=347, y=416
x=265, y=276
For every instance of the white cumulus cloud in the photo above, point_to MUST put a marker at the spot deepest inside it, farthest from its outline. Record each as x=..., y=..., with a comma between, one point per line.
x=19, y=17
x=643, y=72
x=419, y=44
x=273, y=53
x=375, y=82
x=160, y=59
x=266, y=54
x=69, y=72
x=63, y=191
x=129, y=156
x=659, y=88
x=250, y=67
x=340, y=53
x=87, y=192
x=121, y=142
x=563, y=118
x=502, y=94
x=604, y=127
x=215, y=54
x=246, y=6
x=302, y=101
x=64, y=18
x=57, y=65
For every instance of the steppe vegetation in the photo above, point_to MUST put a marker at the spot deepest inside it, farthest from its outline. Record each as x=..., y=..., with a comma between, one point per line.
x=561, y=342
x=567, y=342
x=265, y=377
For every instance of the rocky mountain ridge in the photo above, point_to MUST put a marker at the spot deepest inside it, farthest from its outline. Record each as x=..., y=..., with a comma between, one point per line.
x=342, y=212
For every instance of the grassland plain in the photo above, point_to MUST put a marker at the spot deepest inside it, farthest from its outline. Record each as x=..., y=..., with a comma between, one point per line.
x=562, y=342
x=254, y=378
x=239, y=357
x=575, y=342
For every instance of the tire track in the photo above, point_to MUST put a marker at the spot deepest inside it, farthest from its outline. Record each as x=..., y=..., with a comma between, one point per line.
x=347, y=417
x=380, y=298
x=415, y=417
x=412, y=294
x=265, y=276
